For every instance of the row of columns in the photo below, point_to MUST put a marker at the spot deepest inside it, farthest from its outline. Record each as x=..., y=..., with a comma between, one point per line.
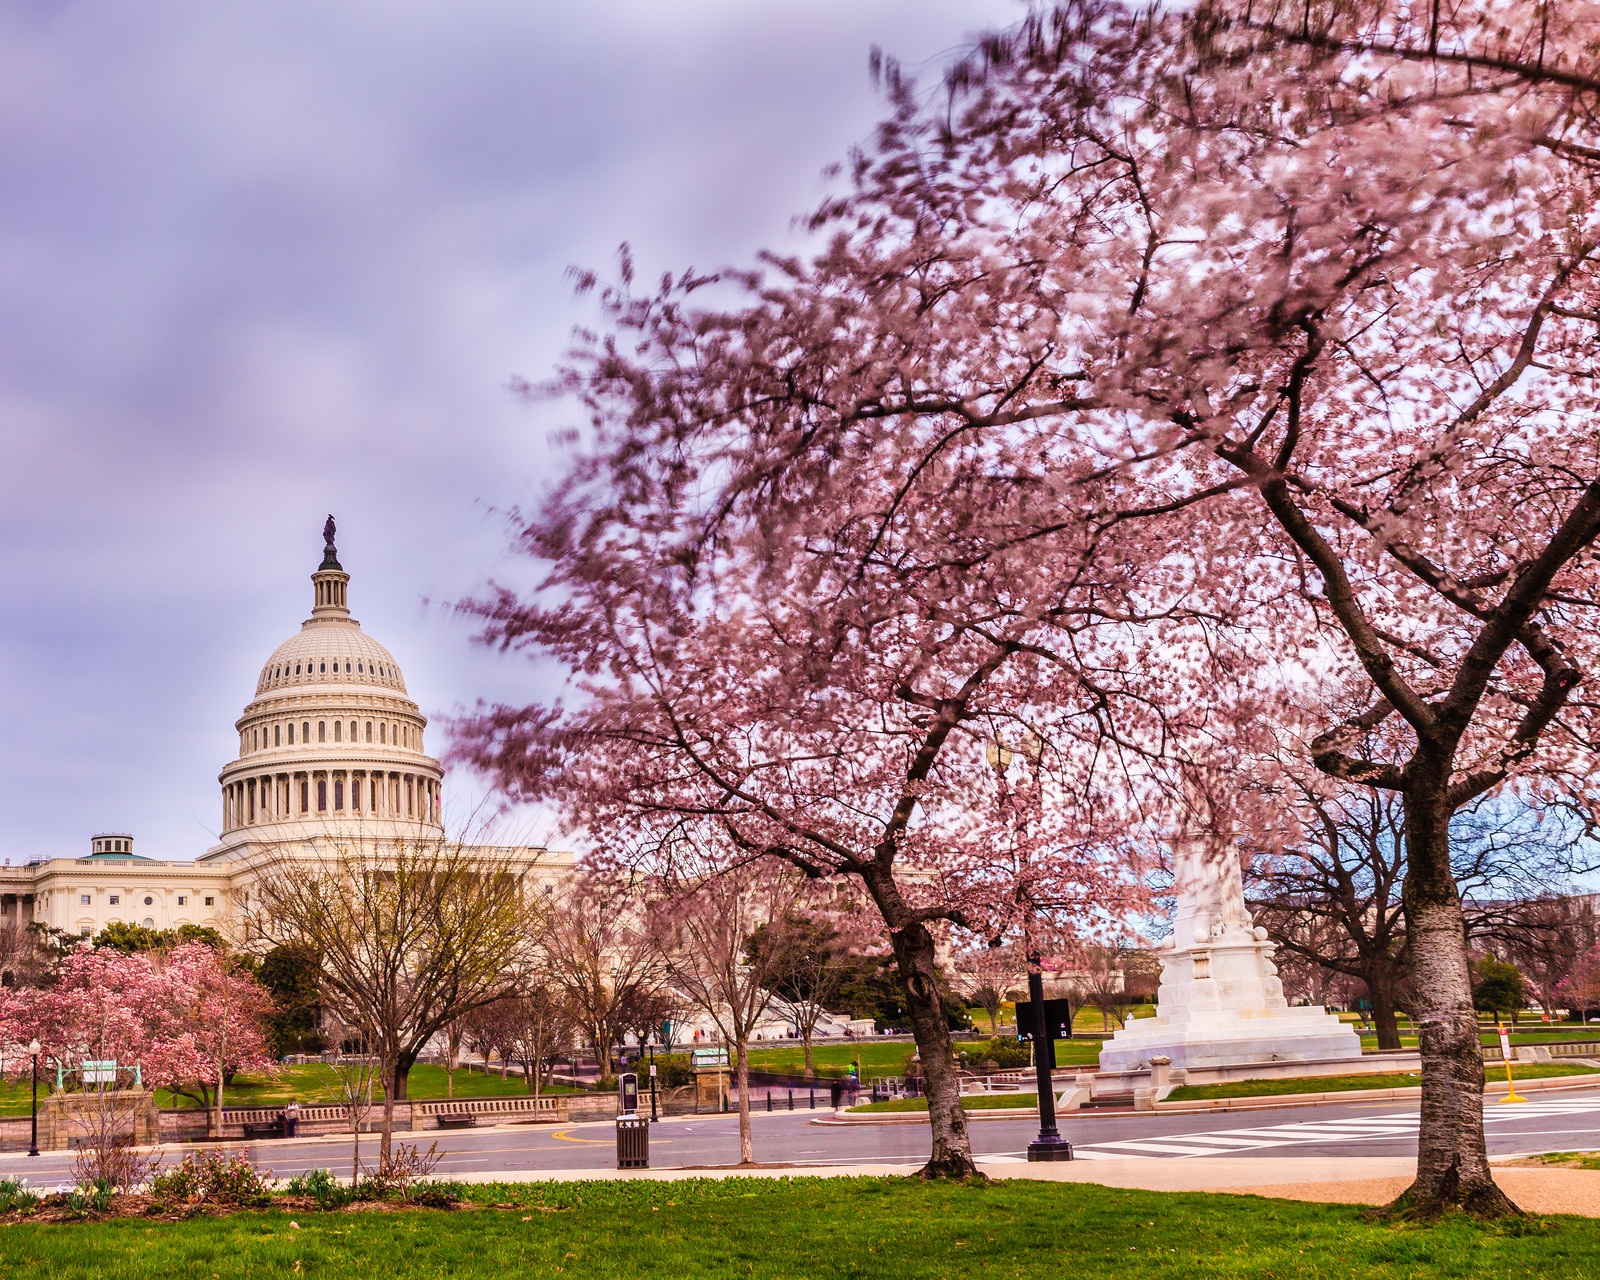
x=323, y=793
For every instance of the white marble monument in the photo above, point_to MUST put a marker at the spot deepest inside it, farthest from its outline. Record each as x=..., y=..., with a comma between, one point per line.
x=1221, y=1001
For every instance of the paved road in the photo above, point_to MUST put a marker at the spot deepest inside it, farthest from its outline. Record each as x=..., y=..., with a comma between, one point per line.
x=1564, y=1120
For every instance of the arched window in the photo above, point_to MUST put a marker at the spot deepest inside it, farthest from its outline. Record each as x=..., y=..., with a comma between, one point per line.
x=305, y=802
x=297, y=668
x=322, y=667
x=337, y=726
x=277, y=735
x=322, y=795
x=305, y=731
x=369, y=731
x=338, y=793
x=347, y=666
x=353, y=734
x=322, y=730
x=291, y=733
x=383, y=733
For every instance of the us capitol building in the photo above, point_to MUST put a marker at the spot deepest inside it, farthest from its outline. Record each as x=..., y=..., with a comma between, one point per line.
x=330, y=751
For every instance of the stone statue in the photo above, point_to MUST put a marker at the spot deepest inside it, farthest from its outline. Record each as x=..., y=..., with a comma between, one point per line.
x=328, y=530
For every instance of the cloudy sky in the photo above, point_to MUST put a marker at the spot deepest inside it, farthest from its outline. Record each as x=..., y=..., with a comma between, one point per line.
x=268, y=259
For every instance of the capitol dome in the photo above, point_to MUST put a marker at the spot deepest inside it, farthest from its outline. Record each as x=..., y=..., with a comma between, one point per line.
x=331, y=742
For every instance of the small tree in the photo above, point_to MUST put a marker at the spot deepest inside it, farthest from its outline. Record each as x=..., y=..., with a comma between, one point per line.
x=213, y=1021
x=539, y=1024
x=604, y=956
x=412, y=934
x=1499, y=988
x=988, y=977
x=707, y=921
x=1580, y=989
x=355, y=1076
x=811, y=960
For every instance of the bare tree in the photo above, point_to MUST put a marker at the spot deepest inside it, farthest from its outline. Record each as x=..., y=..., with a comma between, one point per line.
x=1334, y=900
x=707, y=922
x=1106, y=983
x=604, y=957
x=988, y=977
x=539, y=1024
x=355, y=1076
x=412, y=934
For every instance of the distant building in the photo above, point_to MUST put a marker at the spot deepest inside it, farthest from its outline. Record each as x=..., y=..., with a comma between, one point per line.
x=330, y=751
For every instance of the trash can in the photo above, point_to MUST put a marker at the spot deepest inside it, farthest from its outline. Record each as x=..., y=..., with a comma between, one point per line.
x=633, y=1142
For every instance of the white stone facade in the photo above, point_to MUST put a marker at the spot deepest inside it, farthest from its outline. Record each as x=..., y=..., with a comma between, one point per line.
x=330, y=751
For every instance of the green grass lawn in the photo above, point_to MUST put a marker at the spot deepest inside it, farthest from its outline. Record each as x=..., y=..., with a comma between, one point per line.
x=856, y=1229
x=1571, y=1159
x=1333, y=1084
x=312, y=1083
x=973, y=1102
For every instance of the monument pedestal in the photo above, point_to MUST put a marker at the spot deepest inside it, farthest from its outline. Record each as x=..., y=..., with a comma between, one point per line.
x=1221, y=1002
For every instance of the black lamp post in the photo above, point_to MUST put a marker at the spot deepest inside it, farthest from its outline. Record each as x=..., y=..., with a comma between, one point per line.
x=33, y=1139
x=1049, y=1145
x=653, y=1115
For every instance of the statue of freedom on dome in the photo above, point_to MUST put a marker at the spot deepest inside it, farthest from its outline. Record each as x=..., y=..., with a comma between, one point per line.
x=328, y=530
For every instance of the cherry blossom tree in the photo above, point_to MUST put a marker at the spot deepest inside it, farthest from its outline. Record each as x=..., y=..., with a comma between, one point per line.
x=214, y=1021
x=1143, y=385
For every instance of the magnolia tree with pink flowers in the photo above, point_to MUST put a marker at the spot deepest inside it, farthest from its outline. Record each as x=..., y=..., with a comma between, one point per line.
x=215, y=1023
x=185, y=1021
x=1172, y=371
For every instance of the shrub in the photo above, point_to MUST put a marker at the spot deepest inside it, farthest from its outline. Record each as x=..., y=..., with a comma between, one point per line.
x=217, y=1177
x=1006, y=1055
x=405, y=1169
x=432, y=1194
x=16, y=1196
x=323, y=1186
x=178, y=1185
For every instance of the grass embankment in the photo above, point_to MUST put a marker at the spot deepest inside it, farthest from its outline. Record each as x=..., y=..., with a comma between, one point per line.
x=1336, y=1084
x=973, y=1102
x=1570, y=1159
x=310, y=1084
x=876, y=1229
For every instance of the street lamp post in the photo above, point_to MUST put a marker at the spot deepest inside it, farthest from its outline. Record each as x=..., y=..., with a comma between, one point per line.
x=1049, y=1145
x=653, y=1114
x=33, y=1139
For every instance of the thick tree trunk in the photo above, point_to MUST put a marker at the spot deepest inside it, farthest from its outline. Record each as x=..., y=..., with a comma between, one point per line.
x=402, y=1074
x=1452, y=1158
x=747, y=1146
x=811, y=1065
x=1380, y=979
x=951, y=1156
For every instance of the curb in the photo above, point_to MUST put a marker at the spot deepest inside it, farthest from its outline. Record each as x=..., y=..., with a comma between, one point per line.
x=1199, y=1106
x=1262, y=1102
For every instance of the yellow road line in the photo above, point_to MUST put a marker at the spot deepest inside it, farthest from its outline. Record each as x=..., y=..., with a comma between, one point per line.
x=565, y=1136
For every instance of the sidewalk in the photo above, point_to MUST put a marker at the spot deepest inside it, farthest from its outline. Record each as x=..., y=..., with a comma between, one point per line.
x=1339, y=1180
